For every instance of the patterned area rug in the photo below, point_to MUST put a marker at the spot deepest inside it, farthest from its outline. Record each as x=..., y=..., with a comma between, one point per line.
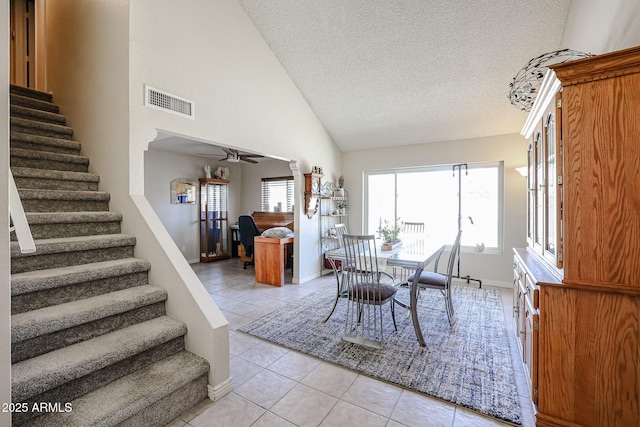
x=468, y=364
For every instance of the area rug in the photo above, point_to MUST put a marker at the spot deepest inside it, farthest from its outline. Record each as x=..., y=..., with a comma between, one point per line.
x=468, y=364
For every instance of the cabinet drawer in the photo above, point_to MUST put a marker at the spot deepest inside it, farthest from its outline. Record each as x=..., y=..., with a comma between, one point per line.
x=530, y=290
x=525, y=284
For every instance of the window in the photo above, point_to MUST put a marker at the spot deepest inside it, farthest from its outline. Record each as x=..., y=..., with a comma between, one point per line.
x=277, y=194
x=430, y=195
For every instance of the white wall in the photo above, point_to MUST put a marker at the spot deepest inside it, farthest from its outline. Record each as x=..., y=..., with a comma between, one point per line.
x=512, y=149
x=5, y=260
x=600, y=26
x=211, y=53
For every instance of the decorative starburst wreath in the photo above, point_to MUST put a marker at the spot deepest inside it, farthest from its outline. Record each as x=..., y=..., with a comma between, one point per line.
x=526, y=84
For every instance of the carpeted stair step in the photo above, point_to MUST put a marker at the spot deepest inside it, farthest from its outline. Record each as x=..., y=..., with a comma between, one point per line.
x=27, y=113
x=73, y=371
x=64, y=200
x=40, y=331
x=54, y=180
x=54, y=253
x=27, y=141
x=40, y=128
x=87, y=328
x=35, y=103
x=47, y=160
x=46, y=225
x=152, y=396
x=30, y=93
x=32, y=290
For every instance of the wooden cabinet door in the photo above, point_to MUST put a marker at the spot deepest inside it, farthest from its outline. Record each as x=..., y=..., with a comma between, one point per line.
x=534, y=357
x=520, y=324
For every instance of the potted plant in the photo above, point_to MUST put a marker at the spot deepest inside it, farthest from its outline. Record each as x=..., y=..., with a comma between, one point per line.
x=342, y=206
x=390, y=234
x=339, y=192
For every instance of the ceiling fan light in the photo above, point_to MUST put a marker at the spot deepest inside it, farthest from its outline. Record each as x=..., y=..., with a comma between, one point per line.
x=232, y=159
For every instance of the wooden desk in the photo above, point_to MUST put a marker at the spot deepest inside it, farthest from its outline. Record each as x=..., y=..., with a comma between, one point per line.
x=270, y=259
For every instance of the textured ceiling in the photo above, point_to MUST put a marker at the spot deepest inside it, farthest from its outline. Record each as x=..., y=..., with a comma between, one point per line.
x=382, y=73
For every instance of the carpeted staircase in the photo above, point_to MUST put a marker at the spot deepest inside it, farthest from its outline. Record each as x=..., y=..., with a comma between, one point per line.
x=90, y=341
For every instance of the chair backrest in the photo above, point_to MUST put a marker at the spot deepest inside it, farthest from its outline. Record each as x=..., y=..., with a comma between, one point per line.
x=361, y=255
x=248, y=230
x=341, y=230
x=455, y=252
x=413, y=228
x=365, y=291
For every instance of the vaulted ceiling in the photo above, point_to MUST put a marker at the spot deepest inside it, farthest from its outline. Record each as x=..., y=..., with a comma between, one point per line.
x=381, y=73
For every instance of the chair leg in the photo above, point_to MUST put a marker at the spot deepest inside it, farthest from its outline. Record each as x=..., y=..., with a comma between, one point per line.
x=449, y=306
x=393, y=314
x=335, y=303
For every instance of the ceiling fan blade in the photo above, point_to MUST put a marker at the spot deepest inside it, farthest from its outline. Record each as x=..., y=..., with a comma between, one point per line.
x=215, y=156
x=257, y=156
x=247, y=159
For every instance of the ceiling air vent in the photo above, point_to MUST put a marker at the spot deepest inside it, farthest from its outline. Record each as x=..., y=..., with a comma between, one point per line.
x=161, y=100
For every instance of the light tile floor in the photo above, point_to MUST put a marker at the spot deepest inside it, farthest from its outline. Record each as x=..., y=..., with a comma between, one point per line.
x=274, y=386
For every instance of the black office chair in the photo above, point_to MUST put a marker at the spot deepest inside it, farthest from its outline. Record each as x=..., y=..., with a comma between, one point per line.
x=248, y=230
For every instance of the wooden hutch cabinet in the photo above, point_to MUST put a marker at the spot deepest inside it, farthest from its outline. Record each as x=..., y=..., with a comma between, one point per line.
x=213, y=219
x=541, y=261
x=579, y=278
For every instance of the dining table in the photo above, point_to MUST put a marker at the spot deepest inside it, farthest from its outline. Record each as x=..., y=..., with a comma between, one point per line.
x=412, y=255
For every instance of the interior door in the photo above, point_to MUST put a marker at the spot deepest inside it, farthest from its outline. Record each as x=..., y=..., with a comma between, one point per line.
x=23, y=43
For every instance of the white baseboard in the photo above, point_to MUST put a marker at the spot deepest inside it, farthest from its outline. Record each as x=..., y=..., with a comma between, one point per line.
x=221, y=390
x=495, y=283
x=311, y=277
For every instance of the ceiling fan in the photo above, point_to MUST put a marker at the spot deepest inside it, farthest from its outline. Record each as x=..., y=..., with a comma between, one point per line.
x=234, y=156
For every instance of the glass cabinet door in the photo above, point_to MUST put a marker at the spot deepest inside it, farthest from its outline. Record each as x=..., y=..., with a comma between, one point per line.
x=540, y=186
x=544, y=187
x=531, y=194
x=213, y=220
x=551, y=187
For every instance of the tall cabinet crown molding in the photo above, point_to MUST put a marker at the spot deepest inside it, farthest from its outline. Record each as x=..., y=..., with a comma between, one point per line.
x=586, y=352
x=548, y=89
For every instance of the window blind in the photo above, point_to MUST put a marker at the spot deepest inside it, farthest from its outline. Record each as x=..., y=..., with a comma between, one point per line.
x=277, y=194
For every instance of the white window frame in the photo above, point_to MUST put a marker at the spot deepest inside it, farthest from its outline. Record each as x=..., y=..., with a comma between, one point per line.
x=499, y=249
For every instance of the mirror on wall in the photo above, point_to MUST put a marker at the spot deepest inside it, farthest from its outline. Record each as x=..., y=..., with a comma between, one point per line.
x=184, y=191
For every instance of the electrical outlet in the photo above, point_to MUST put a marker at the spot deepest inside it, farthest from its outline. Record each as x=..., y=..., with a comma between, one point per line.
x=184, y=248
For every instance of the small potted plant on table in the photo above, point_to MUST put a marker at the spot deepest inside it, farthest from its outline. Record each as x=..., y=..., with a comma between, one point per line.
x=390, y=234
